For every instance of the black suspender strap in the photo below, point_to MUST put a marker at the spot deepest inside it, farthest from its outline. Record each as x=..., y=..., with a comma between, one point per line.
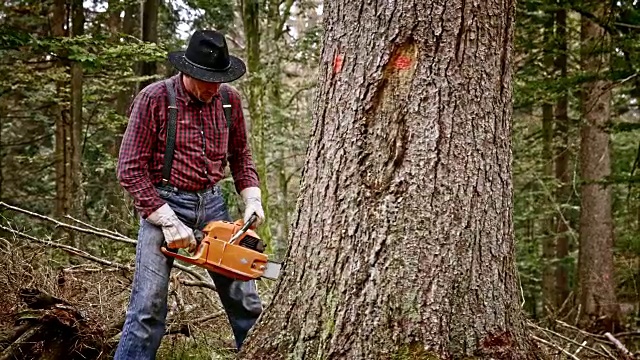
x=171, y=126
x=171, y=132
x=226, y=105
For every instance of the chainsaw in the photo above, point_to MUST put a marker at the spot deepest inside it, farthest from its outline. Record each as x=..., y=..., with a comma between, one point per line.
x=231, y=249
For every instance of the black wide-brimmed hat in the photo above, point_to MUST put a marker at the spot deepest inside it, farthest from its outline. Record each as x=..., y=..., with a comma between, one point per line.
x=207, y=58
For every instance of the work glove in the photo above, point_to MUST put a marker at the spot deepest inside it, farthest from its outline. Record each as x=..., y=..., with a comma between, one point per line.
x=176, y=233
x=253, y=204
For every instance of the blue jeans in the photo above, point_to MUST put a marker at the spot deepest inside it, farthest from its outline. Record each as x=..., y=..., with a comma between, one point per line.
x=146, y=315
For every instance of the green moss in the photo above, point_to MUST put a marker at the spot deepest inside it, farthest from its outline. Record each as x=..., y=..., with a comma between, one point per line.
x=414, y=351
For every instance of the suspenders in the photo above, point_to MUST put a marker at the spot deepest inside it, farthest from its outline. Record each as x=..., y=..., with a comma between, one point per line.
x=171, y=126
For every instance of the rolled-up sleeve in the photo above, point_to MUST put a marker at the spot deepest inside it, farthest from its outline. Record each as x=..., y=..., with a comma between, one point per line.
x=135, y=153
x=241, y=163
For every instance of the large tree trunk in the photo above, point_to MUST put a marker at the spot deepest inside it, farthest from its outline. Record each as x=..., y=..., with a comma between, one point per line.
x=403, y=240
x=562, y=168
x=595, y=269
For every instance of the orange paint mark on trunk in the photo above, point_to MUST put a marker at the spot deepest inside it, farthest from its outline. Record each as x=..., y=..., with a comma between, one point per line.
x=402, y=62
x=337, y=63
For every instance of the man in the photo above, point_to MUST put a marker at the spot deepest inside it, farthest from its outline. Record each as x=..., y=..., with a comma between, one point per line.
x=187, y=197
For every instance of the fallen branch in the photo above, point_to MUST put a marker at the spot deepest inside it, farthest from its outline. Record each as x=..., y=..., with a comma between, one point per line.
x=607, y=351
x=106, y=231
x=94, y=231
x=569, y=340
x=68, y=226
x=582, y=346
x=195, y=275
x=25, y=338
x=85, y=255
x=628, y=333
x=555, y=347
x=600, y=338
x=626, y=353
x=70, y=249
x=204, y=284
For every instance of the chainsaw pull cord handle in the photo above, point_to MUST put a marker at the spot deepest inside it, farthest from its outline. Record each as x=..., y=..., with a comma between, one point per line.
x=244, y=228
x=199, y=235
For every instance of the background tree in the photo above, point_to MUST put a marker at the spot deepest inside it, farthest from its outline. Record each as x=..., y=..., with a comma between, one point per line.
x=596, y=290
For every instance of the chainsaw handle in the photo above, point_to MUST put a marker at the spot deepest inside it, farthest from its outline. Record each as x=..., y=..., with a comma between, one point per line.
x=244, y=228
x=252, y=219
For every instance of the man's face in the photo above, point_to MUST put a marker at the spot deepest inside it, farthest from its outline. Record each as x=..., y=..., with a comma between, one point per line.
x=204, y=91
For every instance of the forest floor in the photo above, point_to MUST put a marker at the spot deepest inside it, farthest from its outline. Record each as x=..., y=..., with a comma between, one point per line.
x=56, y=299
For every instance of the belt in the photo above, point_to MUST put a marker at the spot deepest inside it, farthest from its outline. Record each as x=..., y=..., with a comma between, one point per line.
x=211, y=189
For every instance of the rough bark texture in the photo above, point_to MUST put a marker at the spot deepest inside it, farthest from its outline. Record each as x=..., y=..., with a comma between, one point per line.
x=149, y=34
x=77, y=133
x=548, y=240
x=63, y=122
x=562, y=168
x=402, y=245
x=256, y=93
x=595, y=269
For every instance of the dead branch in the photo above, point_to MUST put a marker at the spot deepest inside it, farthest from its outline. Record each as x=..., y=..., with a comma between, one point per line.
x=555, y=347
x=109, y=234
x=607, y=351
x=70, y=249
x=194, y=274
x=582, y=346
x=67, y=226
x=25, y=338
x=627, y=333
x=204, y=284
x=83, y=254
x=568, y=339
x=175, y=329
x=106, y=231
x=626, y=353
x=600, y=338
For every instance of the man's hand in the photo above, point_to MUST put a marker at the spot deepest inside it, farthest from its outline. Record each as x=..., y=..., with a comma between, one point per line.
x=176, y=233
x=253, y=204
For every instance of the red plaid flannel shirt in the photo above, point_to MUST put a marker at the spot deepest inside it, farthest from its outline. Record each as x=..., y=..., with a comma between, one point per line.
x=142, y=151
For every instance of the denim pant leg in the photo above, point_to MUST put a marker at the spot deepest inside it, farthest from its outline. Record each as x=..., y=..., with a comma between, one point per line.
x=241, y=302
x=145, y=319
x=240, y=299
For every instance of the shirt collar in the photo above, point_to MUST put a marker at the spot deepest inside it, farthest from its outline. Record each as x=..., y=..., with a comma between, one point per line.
x=183, y=95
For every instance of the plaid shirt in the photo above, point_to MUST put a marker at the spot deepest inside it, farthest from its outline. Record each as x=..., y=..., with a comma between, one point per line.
x=202, y=146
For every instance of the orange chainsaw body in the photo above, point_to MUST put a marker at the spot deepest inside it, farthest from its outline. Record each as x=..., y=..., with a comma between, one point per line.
x=230, y=259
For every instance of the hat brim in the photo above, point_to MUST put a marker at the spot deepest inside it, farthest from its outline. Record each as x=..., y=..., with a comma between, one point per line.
x=236, y=69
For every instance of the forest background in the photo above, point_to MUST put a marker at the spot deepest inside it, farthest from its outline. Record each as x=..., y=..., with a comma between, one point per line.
x=69, y=70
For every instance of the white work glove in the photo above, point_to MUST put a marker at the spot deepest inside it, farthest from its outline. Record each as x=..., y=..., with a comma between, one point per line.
x=176, y=233
x=253, y=204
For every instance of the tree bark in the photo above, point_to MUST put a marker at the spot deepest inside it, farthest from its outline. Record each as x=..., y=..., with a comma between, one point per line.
x=595, y=270
x=403, y=242
x=62, y=122
x=149, y=34
x=548, y=240
x=256, y=93
x=77, y=138
x=562, y=166
x=113, y=19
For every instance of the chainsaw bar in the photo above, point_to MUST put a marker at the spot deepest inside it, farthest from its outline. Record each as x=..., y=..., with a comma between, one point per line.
x=272, y=271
